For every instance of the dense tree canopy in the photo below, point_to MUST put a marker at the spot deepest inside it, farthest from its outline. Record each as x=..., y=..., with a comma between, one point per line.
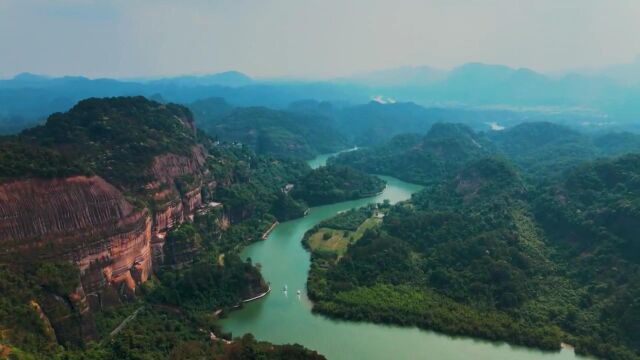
x=539, y=149
x=516, y=237
x=330, y=184
x=267, y=131
x=530, y=264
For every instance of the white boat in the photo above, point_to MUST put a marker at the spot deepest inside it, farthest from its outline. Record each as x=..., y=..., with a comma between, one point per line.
x=298, y=292
x=285, y=287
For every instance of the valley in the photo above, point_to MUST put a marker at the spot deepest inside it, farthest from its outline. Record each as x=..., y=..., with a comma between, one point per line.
x=134, y=212
x=286, y=317
x=292, y=180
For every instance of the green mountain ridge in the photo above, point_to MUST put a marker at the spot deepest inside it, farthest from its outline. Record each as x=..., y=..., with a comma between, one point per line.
x=539, y=149
x=437, y=155
x=114, y=138
x=268, y=131
x=484, y=254
x=331, y=184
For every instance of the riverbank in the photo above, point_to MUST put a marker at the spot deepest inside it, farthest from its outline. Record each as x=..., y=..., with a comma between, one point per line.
x=269, y=230
x=281, y=319
x=219, y=312
x=406, y=306
x=258, y=296
x=348, y=292
x=321, y=160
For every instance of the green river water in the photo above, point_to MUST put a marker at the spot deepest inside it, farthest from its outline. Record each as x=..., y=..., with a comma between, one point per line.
x=283, y=317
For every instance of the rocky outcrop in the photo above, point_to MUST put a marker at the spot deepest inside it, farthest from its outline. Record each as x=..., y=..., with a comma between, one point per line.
x=177, y=193
x=70, y=317
x=191, y=201
x=34, y=212
x=81, y=219
x=47, y=328
x=89, y=221
x=86, y=220
x=166, y=168
x=149, y=176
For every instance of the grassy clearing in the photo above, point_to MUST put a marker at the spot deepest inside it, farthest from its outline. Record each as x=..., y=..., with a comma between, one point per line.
x=337, y=241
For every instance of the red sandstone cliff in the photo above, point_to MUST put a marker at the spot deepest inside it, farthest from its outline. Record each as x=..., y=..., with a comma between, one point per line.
x=83, y=219
x=174, y=204
x=111, y=226
x=90, y=222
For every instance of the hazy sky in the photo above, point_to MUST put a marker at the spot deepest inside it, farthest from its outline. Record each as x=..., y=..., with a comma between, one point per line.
x=126, y=38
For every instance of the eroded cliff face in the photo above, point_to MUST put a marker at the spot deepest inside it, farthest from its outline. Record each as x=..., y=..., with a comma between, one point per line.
x=62, y=217
x=80, y=219
x=84, y=219
x=177, y=193
x=149, y=177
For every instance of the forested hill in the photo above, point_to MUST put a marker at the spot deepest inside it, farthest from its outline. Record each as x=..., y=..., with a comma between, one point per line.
x=115, y=138
x=119, y=208
x=422, y=159
x=374, y=123
x=268, y=131
x=331, y=184
x=483, y=254
x=539, y=149
x=547, y=149
x=596, y=209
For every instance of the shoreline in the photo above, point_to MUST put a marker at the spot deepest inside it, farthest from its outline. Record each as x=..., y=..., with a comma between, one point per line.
x=269, y=230
x=561, y=346
x=262, y=330
x=220, y=311
x=258, y=296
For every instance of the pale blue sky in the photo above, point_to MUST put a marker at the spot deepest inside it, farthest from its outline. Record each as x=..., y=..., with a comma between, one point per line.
x=324, y=38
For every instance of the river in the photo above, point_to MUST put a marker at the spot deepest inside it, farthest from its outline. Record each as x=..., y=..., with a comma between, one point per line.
x=287, y=318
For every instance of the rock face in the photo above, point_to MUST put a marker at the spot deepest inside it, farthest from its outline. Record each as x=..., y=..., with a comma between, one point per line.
x=86, y=220
x=149, y=177
x=177, y=193
x=89, y=221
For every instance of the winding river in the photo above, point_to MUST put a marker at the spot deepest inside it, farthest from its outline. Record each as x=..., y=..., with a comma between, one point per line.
x=285, y=317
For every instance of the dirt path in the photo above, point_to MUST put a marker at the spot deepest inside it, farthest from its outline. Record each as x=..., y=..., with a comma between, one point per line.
x=125, y=322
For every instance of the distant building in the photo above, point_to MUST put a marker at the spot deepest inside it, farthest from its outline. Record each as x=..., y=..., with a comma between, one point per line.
x=208, y=207
x=287, y=188
x=213, y=205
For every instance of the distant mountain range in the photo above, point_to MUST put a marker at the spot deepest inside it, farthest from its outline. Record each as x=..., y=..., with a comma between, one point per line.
x=400, y=76
x=627, y=74
x=603, y=98
x=227, y=78
x=308, y=127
